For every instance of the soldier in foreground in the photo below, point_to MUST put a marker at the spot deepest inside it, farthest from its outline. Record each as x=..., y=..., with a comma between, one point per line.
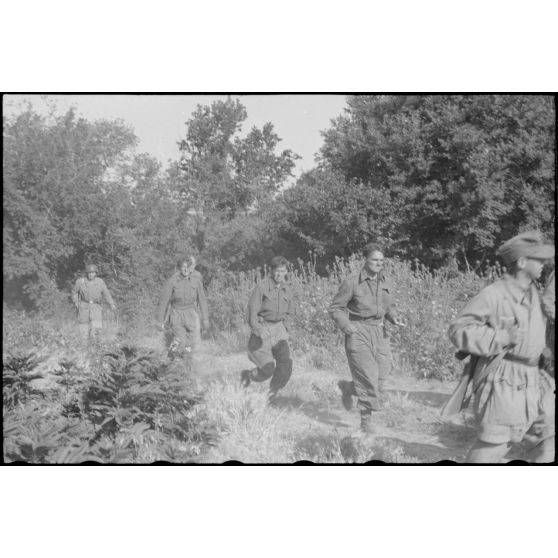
x=87, y=295
x=270, y=309
x=503, y=329
x=549, y=309
x=184, y=304
x=363, y=302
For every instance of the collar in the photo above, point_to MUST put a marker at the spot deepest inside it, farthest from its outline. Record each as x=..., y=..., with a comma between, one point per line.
x=272, y=285
x=364, y=276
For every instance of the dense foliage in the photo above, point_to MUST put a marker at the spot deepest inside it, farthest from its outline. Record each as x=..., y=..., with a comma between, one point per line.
x=433, y=177
x=439, y=178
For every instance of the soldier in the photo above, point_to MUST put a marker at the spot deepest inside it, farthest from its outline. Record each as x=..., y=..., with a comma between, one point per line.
x=504, y=329
x=549, y=309
x=359, y=308
x=182, y=301
x=270, y=309
x=86, y=296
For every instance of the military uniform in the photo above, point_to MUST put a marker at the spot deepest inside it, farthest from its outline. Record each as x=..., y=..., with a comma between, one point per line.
x=87, y=296
x=270, y=309
x=362, y=303
x=515, y=401
x=549, y=308
x=185, y=297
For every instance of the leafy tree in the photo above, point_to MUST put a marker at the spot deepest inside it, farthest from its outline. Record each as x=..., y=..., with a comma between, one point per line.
x=435, y=177
x=227, y=182
x=58, y=199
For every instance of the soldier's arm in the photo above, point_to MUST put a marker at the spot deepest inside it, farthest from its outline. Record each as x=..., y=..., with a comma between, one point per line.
x=338, y=307
x=202, y=302
x=472, y=332
x=391, y=312
x=75, y=293
x=254, y=306
x=106, y=295
x=549, y=299
x=291, y=311
x=164, y=300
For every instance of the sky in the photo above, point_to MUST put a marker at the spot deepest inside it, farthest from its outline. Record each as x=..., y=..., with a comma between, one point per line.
x=159, y=120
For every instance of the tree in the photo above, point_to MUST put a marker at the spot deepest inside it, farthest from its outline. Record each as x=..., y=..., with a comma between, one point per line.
x=225, y=181
x=434, y=177
x=57, y=193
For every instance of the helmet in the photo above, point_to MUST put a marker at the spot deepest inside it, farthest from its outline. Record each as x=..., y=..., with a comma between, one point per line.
x=91, y=267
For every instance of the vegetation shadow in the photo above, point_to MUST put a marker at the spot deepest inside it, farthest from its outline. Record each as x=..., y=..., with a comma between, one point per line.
x=430, y=398
x=424, y=453
x=315, y=410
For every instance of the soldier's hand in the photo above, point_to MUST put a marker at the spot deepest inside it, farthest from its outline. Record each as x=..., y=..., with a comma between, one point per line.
x=350, y=330
x=516, y=335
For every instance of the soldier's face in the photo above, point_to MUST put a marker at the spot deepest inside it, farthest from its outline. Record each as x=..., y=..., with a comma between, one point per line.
x=375, y=262
x=91, y=275
x=279, y=274
x=533, y=267
x=188, y=267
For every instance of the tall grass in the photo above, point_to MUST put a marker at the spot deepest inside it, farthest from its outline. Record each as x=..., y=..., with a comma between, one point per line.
x=426, y=300
x=125, y=402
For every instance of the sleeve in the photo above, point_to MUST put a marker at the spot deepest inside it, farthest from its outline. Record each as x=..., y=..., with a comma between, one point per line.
x=254, y=305
x=75, y=293
x=338, y=307
x=472, y=332
x=164, y=300
x=106, y=294
x=549, y=299
x=202, y=302
x=391, y=312
x=291, y=310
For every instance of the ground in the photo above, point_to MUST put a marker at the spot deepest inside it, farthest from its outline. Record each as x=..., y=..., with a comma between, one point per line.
x=308, y=422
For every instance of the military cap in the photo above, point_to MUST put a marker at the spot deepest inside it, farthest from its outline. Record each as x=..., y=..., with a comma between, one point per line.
x=528, y=244
x=91, y=267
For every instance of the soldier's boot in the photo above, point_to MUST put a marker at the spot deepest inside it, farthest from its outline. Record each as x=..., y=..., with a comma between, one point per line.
x=366, y=423
x=347, y=392
x=246, y=377
x=272, y=396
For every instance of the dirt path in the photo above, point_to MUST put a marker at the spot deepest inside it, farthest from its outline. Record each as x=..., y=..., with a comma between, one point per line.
x=310, y=415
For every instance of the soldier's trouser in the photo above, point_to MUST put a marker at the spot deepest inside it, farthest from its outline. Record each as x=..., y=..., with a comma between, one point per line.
x=272, y=346
x=90, y=321
x=498, y=407
x=369, y=355
x=483, y=452
x=185, y=325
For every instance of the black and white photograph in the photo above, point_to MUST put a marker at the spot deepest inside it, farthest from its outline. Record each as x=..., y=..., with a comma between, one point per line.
x=249, y=278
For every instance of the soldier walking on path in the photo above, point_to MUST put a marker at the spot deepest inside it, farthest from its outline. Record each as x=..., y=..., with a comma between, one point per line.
x=503, y=328
x=87, y=295
x=270, y=309
x=182, y=301
x=359, y=308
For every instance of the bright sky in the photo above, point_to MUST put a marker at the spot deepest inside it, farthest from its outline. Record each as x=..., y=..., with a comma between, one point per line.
x=159, y=120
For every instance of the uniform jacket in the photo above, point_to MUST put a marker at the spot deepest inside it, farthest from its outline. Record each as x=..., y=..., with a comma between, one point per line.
x=86, y=291
x=360, y=296
x=482, y=327
x=270, y=302
x=183, y=292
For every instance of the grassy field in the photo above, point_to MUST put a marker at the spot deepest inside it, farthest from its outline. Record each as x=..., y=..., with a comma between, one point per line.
x=126, y=402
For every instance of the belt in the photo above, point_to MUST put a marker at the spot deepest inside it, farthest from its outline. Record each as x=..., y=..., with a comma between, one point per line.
x=522, y=360
x=371, y=320
x=179, y=307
